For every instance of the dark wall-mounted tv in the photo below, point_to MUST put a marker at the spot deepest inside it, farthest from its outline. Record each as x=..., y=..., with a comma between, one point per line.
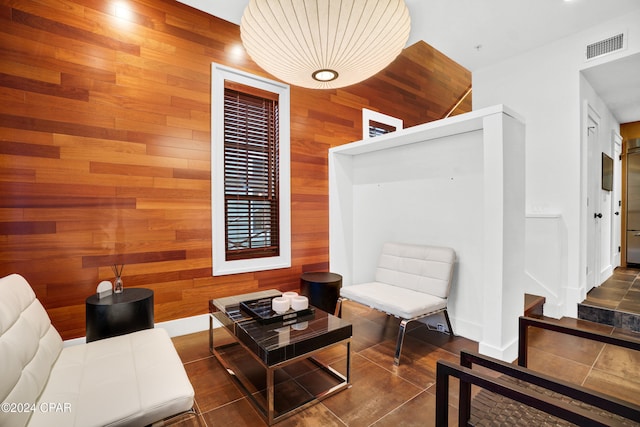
x=607, y=172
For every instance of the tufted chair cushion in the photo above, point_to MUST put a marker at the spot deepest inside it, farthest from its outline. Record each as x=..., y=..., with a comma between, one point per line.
x=29, y=346
x=424, y=269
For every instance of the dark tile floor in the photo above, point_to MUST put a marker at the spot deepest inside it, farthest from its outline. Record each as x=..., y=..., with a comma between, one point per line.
x=616, y=302
x=387, y=395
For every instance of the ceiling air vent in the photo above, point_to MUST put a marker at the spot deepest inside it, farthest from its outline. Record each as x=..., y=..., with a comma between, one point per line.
x=605, y=46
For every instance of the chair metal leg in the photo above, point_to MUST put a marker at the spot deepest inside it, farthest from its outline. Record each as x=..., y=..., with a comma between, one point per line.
x=446, y=317
x=403, y=329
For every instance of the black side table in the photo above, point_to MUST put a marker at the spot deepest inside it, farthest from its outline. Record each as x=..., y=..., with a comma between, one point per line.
x=119, y=314
x=322, y=288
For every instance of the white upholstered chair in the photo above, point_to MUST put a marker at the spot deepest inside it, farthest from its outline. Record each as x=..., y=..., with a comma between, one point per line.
x=411, y=282
x=129, y=380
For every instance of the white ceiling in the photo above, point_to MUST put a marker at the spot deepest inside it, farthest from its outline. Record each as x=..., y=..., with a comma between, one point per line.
x=618, y=84
x=477, y=33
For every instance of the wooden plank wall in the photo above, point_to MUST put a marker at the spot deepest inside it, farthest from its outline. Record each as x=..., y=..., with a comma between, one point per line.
x=105, y=149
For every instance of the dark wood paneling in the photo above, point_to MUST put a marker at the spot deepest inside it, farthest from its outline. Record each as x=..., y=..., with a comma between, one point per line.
x=35, y=150
x=105, y=149
x=27, y=227
x=132, y=258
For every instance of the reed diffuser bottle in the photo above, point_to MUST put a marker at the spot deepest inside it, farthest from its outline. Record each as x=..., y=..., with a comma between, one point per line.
x=117, y=284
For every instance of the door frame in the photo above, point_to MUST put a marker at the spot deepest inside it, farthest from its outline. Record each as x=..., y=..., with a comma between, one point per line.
x=593, y=202
x=617, y=231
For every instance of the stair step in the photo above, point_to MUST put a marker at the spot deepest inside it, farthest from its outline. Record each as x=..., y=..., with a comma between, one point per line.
x=609, y=316
x=533, y=305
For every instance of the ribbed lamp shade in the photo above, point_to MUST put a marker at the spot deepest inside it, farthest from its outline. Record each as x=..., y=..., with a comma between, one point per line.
x=324, y=44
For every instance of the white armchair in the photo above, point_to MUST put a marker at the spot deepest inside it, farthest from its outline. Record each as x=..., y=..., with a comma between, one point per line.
x=411, y=282
x=129, y=380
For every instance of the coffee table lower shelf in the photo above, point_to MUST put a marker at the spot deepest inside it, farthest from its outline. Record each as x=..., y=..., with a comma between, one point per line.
x=286, y=388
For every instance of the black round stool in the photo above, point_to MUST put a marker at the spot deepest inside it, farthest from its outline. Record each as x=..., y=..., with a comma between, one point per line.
x=322, y=288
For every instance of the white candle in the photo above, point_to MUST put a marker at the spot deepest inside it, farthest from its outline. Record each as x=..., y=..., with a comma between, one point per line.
x=290, y=295
x=299, y=303
x=280, y=304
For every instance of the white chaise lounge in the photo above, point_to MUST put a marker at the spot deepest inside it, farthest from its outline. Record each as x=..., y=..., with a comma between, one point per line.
x=130, y=380
x=411, y=282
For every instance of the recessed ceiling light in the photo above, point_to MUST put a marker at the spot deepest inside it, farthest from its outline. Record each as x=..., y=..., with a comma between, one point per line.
x=123, y=11
x=325, y=75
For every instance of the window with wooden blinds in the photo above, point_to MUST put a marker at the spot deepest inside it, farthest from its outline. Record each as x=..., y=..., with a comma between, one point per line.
x=377, y=128
x=250, y=172
x=251, y=187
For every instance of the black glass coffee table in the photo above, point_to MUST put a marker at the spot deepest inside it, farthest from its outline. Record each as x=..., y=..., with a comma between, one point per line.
x=276, y=364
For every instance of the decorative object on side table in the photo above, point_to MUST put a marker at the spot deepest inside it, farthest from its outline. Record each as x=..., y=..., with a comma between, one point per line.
x=117, y=284
x=105, y=288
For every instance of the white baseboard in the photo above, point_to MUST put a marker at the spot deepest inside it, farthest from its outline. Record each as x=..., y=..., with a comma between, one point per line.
x=467, y=329
x=75, y=341
x=574, y=297
x=175, y=328
x=553, y=310
x=508, y=353
x=186, y=325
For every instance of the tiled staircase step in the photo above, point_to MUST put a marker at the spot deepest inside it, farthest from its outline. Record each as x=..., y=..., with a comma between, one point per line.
x=609, y=316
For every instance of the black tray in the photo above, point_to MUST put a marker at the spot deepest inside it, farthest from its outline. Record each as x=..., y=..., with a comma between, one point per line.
x=260, y=309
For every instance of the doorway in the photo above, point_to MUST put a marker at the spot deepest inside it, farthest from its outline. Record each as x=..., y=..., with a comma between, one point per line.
x=594, y=214
x=616, y=241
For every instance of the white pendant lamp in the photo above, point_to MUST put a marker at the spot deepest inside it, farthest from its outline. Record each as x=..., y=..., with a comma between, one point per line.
x=324, y=44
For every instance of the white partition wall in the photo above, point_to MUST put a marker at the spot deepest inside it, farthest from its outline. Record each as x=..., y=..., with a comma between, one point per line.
x=545, y=265
x=457, y=182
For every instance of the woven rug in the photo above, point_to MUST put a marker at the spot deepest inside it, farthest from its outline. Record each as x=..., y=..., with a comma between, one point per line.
x=490, y=409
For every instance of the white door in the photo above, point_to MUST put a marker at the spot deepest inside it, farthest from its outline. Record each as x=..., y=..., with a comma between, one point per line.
x=617, y=201
x=605, y=223
x=594, y=214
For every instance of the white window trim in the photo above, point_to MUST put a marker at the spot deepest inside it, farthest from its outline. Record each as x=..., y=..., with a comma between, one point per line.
x=370, y=115
x=220, y=73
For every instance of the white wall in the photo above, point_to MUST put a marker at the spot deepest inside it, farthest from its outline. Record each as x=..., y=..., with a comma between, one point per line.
x=544, y=86
x=456, y=182
x=424, y=193
x=545, y=260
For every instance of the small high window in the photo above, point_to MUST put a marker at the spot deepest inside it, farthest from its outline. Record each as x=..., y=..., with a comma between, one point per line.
x=377, y=128
x=375, y=123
